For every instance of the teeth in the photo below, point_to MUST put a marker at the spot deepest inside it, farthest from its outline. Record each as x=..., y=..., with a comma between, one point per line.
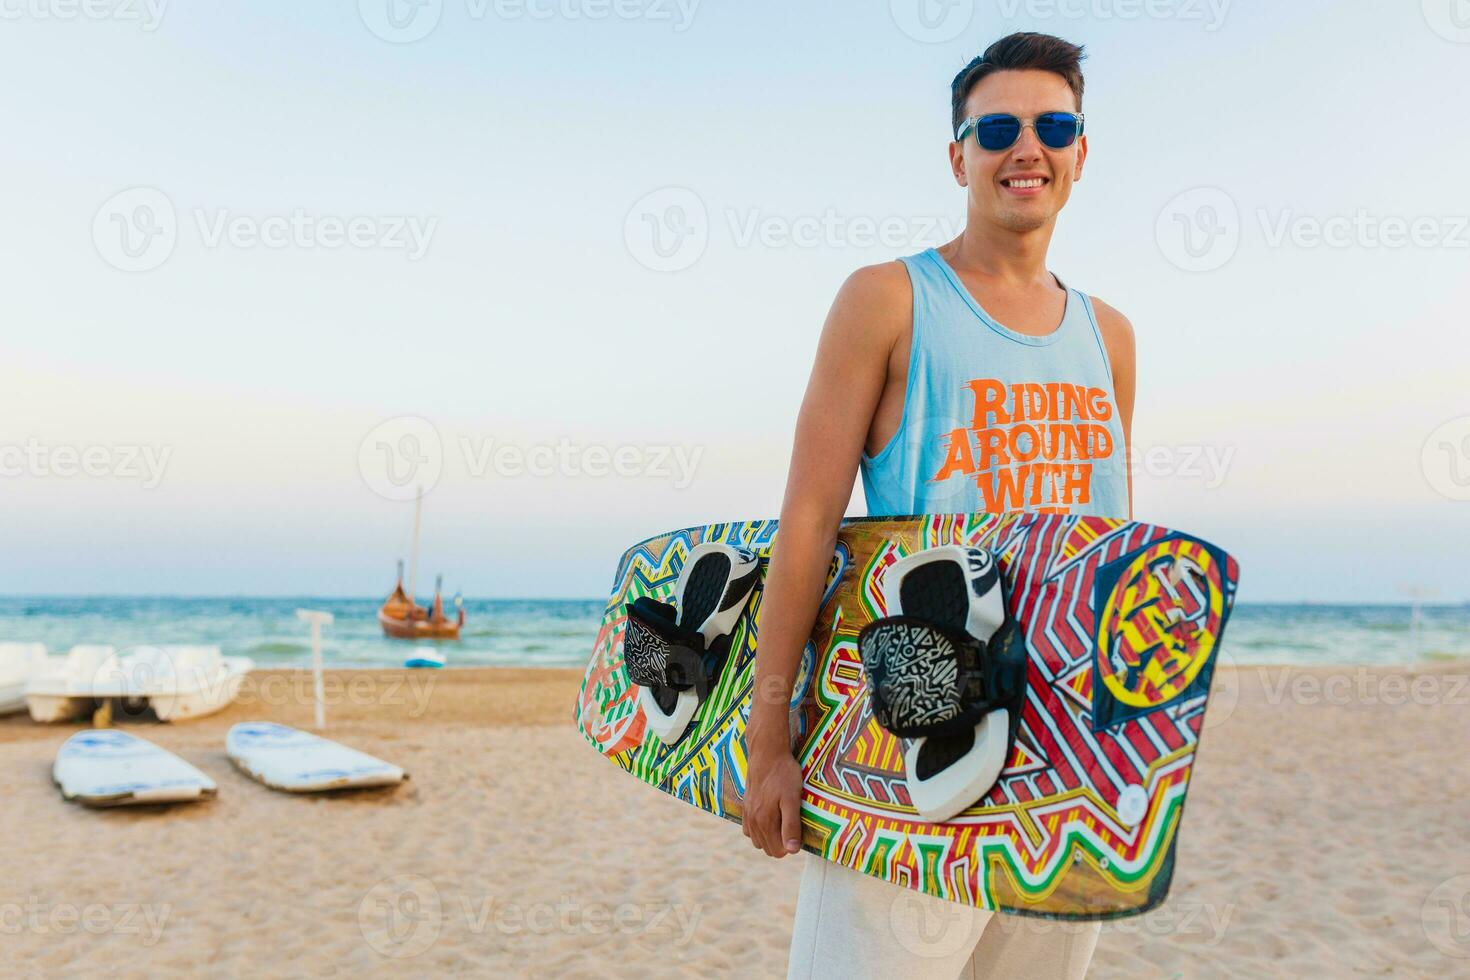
x=1033, y=182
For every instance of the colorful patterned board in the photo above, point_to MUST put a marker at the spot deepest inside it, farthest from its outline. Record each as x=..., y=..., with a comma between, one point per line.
x=1122, y=623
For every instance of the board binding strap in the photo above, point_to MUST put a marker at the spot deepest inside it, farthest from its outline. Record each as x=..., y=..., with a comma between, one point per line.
x=676, y=652
x=945, y=676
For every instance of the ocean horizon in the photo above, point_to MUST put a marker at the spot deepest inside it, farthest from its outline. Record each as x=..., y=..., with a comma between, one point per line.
x=561, y=632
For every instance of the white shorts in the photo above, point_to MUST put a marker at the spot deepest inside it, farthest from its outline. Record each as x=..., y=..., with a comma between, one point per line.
x=852, y=926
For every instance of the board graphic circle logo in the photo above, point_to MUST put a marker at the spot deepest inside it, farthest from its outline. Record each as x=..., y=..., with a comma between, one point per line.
x=1160, y=624
x=401, y=916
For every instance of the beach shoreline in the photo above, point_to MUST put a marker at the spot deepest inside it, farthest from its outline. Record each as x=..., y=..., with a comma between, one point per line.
x=514, y=848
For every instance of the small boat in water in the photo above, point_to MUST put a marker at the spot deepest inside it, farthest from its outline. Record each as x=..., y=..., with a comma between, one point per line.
x=404, y=619
x=426, y=657
x=401, y=617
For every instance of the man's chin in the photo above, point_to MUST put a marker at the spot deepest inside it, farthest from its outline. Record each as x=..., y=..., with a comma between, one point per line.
x=1024, y=220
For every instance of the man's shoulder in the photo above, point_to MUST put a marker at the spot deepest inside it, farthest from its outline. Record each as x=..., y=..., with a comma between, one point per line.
x=876, y=300
x=1116, y=329
x=885, y=285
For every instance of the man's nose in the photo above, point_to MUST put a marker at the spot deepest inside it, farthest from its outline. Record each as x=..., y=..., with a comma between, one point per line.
x=1028, y=145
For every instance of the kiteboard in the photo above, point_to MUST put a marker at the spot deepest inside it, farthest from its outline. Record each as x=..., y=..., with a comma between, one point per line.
x=1110, y=637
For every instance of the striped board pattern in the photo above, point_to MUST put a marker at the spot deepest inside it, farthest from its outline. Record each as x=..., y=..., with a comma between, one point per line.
x=1123, y=623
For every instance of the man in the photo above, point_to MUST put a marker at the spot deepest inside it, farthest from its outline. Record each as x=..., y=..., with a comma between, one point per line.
x=965, y=378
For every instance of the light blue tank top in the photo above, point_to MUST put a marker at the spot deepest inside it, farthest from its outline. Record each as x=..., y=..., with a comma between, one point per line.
x=995, y=420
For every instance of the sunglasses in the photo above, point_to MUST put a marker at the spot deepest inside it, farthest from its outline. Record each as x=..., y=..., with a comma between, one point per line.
x=1001, y=130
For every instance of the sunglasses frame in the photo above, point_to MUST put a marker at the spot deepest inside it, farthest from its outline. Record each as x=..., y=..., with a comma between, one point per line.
x=972, y=123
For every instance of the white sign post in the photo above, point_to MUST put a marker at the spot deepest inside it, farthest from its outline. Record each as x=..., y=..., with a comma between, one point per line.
x=1417, y=594
x=317, y=620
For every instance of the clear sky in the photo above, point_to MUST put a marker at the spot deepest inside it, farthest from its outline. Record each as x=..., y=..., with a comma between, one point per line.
x=240, y=237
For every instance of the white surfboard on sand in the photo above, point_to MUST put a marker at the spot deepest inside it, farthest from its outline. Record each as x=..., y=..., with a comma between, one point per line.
x=299, y=762
x=106, y=767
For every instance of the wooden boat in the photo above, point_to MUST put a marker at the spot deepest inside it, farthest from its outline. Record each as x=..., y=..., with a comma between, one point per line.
x=404, y=619
x=401, y=617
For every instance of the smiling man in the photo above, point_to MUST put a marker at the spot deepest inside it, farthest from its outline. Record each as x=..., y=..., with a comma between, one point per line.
x=964, y=378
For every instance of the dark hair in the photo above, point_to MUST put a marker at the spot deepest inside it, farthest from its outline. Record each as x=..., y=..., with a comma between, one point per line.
x=1021, y=51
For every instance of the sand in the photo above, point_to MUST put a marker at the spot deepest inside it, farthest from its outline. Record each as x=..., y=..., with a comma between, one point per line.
x=1326, y=834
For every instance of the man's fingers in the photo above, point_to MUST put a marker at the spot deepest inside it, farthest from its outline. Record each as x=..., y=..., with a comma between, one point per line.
x=752, y=827
x=791, y=823
x=763, y=836
x=771, y=839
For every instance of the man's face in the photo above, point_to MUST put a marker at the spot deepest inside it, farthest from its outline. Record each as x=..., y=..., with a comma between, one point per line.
x=1003, y=183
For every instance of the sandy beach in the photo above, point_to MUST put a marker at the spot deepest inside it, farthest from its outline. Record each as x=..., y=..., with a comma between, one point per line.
x=1325, y=835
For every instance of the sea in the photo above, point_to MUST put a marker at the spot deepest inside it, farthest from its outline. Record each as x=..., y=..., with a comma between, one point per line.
x=561, y=632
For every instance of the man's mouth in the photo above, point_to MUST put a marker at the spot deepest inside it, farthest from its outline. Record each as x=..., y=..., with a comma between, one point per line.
x=1024, y=183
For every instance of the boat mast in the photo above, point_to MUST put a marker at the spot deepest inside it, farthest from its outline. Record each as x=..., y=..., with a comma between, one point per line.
x=413, y=564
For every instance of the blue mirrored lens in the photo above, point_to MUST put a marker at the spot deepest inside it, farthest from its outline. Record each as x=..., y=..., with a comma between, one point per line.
x=1057, y=130
x=997, y=132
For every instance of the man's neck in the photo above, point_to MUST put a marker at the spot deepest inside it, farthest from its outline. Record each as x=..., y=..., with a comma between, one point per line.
x=990, y=251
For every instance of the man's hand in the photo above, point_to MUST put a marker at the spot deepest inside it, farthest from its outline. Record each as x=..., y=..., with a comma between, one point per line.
x=773, y=798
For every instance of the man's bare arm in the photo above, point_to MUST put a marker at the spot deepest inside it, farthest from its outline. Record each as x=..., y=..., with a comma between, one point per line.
x=1117, y=334
x=871, y=312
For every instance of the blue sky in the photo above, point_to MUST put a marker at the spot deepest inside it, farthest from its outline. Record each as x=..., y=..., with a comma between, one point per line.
x=505, y=176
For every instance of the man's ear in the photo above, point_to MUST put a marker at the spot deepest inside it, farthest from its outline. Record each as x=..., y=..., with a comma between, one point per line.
x=1081, y=158
x=957, y=164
